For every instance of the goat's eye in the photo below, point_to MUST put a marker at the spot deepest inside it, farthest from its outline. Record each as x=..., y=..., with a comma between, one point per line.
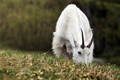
x=79, y=53
x=88, y=54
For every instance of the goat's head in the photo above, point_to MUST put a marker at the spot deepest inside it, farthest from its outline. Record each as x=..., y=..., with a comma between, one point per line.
x=82, y=52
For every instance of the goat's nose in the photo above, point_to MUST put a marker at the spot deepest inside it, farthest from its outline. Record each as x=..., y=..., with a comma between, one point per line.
x=79, y=52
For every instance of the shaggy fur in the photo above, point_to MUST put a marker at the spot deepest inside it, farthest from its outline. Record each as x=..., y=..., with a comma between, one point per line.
x=68, y=37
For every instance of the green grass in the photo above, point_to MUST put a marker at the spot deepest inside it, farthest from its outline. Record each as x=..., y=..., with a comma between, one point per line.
x=23, y=65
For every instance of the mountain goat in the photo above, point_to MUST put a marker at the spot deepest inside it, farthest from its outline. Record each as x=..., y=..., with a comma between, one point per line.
x=73, y=37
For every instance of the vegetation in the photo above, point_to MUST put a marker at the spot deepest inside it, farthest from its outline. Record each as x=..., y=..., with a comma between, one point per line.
x=21, y=65
x=28, y=25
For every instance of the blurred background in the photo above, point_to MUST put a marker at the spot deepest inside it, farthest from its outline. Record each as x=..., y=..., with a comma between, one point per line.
x=29, y=24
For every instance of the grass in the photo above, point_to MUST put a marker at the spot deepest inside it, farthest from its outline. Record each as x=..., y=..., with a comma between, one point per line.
x=23, y=65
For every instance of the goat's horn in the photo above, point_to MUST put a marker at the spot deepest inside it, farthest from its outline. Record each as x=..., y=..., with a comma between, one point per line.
x=91, y=40
x=83, y=45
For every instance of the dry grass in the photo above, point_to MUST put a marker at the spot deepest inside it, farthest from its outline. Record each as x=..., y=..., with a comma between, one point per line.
x=17, y=65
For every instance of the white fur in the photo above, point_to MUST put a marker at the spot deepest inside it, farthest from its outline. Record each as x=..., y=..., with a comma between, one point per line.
x=68, y=33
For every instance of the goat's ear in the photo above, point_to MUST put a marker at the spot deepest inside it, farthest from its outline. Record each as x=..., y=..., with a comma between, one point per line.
x=90, y=43
x=75, y=42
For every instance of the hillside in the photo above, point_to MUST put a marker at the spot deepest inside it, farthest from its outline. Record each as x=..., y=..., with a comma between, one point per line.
x=23, y=65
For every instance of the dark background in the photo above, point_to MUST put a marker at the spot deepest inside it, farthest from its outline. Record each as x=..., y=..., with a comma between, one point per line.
x=28, y=24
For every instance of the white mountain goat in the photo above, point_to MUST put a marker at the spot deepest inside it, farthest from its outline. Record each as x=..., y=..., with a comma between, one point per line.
x=73, y=37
